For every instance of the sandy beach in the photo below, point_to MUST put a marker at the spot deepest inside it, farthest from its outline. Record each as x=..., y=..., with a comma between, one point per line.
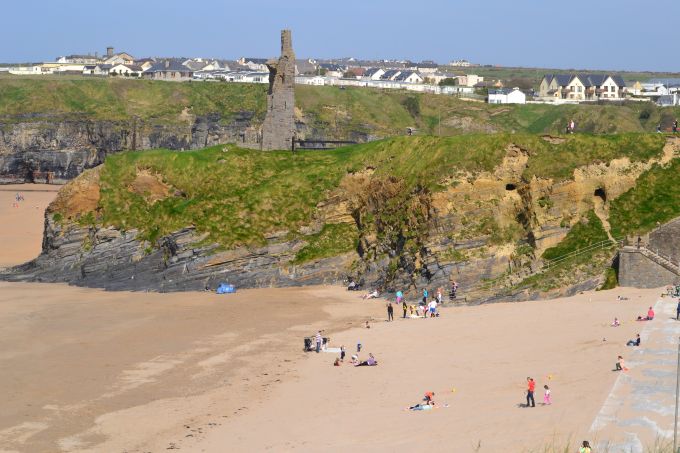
x=22, y=226
x=88, y=370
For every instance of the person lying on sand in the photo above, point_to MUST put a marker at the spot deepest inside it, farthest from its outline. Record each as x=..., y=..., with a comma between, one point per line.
x=371, y=295
x=368, y=362
x=422, y=407
x=649, y=317
x=635, y=342
x=616, y=322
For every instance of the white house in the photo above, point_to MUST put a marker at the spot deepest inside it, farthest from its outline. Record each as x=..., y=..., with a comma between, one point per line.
x=408, y=77
x=119, y=58
x=97, y=70
x=470, y=80
x=507, y=96
x=255, y=64
x=306, y=80
x=26, y=70
x=374, y=73
x=128, y=70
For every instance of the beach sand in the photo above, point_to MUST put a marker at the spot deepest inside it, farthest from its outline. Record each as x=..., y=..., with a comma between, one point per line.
x=88, y=370
x=22, y=227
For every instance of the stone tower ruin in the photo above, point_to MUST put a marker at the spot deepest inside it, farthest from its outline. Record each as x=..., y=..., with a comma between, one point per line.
x=278, y=129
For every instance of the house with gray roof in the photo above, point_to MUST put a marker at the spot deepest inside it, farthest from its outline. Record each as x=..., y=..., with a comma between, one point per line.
x=582, y=87
x=408, y=77
x=170, y=70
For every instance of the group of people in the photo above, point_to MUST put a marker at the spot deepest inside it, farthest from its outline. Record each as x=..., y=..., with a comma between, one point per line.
x=355, y=361
x=531, y=388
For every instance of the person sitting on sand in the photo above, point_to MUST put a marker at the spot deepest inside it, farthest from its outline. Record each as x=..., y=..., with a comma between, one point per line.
x=367, y=325
x=635, y=342
x=585, y=447
x=429, y=398
x=616, y=322
x=337, y=361
x=355, y=360
x=368, y=362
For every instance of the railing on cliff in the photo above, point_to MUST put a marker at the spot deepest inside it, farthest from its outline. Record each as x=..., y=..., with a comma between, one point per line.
x=601, y=245
x=591, y=248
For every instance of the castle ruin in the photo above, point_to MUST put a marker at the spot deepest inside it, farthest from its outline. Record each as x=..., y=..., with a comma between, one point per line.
x=278, y=129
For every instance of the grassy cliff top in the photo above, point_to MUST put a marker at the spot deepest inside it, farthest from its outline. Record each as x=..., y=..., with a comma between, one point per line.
x=338, y=112
x=239, y=197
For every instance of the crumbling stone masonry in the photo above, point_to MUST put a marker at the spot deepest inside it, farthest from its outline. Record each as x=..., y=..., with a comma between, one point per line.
x=278, y=128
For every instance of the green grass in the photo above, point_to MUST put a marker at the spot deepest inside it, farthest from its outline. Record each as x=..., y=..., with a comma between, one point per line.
x=653, y=200
x=332, y=240
x=239, y=197
x=587, y=232
x=349, y=113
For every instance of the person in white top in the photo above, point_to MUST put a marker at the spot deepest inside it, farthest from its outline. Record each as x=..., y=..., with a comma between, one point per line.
x=433, y=308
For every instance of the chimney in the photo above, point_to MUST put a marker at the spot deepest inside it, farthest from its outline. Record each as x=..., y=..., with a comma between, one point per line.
x=109, y=52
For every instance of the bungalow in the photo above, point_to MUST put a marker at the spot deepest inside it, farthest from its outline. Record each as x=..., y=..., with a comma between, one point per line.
x=408, y=77
x=507, y=96
x=127, y=70
x=97, y=69
x=171, y=70
x=582, y=87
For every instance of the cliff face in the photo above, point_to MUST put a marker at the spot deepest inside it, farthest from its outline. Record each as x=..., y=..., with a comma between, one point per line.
x=68, y=146
x=483, y=230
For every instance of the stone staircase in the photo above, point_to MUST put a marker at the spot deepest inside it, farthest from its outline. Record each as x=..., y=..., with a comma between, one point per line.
x=664, y=261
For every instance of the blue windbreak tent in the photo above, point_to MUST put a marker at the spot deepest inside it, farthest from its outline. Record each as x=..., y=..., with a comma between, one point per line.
x=225, y=288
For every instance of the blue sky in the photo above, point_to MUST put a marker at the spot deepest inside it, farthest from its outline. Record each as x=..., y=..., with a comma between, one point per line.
x=597, y=34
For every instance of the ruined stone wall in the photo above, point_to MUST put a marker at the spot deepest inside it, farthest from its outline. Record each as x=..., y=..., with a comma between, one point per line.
x=279, y=124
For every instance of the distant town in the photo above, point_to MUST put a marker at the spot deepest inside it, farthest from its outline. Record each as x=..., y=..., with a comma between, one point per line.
x=454, y=78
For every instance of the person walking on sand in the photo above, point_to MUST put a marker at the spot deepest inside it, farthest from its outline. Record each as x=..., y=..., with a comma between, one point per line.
x=390, y=312
x=319, y=340
x=425, y=296
x=546, y=395
x=404, y=307
x=531, y=386
x=677, y=311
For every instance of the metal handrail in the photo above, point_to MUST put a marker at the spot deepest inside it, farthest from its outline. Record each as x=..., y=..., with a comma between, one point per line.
x=590, y=248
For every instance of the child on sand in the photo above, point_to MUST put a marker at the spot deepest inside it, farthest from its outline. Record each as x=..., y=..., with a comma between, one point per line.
x=429, y=398
x=620, y=365
x=342, y=353
x=616, y=322
x=546, y=395
x=585, y=447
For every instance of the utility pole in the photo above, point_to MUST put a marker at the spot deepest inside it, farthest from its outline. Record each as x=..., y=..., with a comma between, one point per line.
x=677, y=390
